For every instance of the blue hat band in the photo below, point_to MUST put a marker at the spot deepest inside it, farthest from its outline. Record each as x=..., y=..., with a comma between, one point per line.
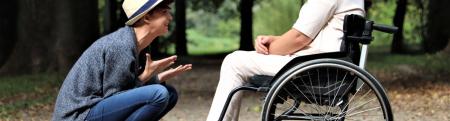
x=147, y=5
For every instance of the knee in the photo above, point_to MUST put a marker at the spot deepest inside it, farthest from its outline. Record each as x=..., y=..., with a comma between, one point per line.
x=173, y=94
x=234, y=58
x=157, y=93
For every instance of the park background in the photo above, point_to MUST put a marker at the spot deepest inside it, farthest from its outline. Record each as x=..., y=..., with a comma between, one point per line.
x=41, y=39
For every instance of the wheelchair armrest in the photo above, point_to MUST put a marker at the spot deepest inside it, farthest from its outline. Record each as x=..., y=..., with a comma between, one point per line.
x=261, y=80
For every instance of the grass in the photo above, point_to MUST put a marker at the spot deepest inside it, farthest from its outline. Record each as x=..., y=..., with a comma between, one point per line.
x=21, y=92
x=199, y=44
x=380, y=59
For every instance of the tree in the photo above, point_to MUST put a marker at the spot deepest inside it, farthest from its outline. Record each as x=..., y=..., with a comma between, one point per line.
x=399, y=18
x=77, y=28
x=51, y=34
x=180, y=20
x=367, y=5
x=208, y=5
x=437, y=32
x=447, y=49
x=180, y=28
x=114, y=16
x=245, y=8
x=33, y=32
x=8, y=30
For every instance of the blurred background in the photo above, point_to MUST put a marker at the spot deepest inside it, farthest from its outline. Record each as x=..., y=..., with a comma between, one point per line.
x=41, y=39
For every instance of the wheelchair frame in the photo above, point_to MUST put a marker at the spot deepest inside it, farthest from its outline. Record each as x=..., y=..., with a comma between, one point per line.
x=357, y=30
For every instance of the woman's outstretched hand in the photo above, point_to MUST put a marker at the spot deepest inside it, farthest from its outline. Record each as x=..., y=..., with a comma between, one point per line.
x=163, y=76
x=155, y=66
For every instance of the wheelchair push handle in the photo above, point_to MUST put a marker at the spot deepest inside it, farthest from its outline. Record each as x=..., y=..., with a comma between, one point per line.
x=385, y=28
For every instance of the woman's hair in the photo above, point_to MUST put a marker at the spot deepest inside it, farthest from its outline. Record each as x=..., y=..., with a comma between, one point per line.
x=163, y=5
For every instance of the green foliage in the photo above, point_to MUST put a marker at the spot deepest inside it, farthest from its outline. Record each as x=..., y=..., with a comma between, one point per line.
x=430, y=63
x=212, y=32
x=274, y=17
x=210, y=45
x=224, y=23
x=413, y=25
x=209, y=5
x=219, y=31
x=383, y=12
x=200, y=44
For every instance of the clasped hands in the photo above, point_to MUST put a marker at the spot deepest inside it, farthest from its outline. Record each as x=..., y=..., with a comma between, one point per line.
x=159, y=65
x=262, y=43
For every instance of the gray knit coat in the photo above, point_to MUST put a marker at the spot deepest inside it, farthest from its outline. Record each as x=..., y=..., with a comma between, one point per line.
x=108, y=66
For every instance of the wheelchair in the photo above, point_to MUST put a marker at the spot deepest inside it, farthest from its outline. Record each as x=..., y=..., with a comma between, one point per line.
x=328, y=86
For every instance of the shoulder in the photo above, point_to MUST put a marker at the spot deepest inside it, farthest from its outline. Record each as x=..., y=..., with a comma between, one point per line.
x=120, y=40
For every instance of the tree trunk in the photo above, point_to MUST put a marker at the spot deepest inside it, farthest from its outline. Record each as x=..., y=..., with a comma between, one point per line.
x=245, y=8
x=8, y=28
x=109, y=15
x=51, y=35
x=30, y=54
x=367, y=5
x=180, y=27
x=113, y=16
x=77, y=28
x=399, y=18
x=437, y=34
x=447, y=49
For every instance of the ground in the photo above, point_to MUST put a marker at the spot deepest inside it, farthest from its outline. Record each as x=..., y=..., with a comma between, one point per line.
x=413, y=95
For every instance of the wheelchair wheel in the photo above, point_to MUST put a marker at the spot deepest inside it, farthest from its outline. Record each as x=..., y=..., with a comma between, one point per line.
x=326, y=90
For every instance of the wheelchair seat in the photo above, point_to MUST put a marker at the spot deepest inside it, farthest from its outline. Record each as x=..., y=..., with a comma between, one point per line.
x=266, y=80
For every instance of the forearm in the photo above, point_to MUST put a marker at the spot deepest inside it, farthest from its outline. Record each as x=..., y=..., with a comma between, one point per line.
x=289, y=43
x=153, y=80
x=144, y=77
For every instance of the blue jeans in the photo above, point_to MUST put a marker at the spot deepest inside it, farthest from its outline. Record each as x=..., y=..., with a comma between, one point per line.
x=146, y=103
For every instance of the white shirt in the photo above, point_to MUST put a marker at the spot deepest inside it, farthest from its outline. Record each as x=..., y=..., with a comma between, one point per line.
x=322, y=20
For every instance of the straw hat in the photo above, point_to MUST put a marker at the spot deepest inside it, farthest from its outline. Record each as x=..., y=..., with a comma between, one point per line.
x=136, y=9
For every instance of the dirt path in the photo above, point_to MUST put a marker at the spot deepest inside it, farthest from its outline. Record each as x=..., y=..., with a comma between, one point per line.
x=412, y=97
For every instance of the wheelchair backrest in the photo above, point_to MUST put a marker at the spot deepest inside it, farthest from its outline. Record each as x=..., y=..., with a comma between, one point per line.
x=354, y=26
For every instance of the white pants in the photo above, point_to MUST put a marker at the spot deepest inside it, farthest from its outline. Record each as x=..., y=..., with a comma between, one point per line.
x=236, y=68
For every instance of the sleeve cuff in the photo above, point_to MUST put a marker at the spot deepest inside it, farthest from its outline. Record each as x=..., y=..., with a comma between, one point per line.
x=153, y=80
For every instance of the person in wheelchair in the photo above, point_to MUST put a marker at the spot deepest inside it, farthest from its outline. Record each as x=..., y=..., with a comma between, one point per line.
x=318, y=29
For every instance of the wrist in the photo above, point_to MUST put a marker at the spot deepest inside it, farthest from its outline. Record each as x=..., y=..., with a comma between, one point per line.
x=161, y=77
x=143, y=77
x=272, y=37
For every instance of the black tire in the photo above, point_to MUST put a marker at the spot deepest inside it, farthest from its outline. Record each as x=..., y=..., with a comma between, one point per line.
x=334, y=95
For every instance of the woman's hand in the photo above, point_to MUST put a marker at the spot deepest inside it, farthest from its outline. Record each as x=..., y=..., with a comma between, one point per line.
x=166, y=62
x=155, y=66
x=262, y=44
x=163, y=76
